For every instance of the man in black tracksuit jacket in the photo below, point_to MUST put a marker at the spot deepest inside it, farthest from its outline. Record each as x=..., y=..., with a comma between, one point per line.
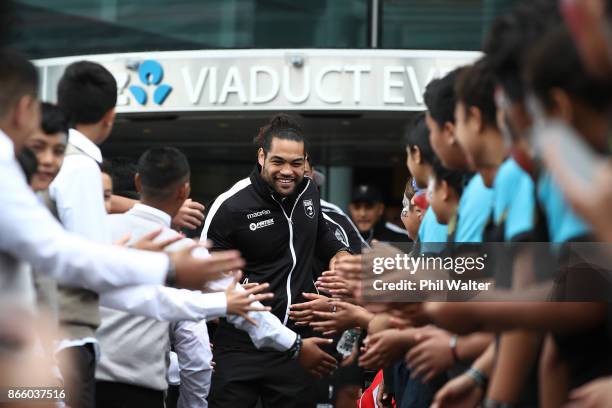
x=274, y=218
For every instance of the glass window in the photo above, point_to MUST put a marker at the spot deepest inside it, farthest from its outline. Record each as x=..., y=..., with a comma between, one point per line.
x=439, y=24
x=46, y=28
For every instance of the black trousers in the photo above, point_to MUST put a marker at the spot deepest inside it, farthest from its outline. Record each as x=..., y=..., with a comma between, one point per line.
x=172, y=396
x=78, y=368
x=118, y=395
x=242, y=377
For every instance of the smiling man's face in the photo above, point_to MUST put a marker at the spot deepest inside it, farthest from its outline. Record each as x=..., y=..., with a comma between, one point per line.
x=283, y=166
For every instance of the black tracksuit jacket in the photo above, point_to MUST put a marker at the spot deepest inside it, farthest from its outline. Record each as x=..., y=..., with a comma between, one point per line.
x=278, y=237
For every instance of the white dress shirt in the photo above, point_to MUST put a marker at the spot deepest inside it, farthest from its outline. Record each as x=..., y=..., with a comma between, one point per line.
x=157, y=301
x=29, y=233
x=192, y=347
x=171, y=304
x=79, y=197
x=124, y=335
x=78, y=193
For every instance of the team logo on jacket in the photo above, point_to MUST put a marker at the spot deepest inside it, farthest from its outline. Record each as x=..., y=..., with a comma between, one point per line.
x=340, y=237
x=309, y=208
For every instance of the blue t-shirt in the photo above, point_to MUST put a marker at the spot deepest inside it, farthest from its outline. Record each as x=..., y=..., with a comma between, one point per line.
x=513, y=200
x=563, y=224
x=431, y=230
x=474, y=210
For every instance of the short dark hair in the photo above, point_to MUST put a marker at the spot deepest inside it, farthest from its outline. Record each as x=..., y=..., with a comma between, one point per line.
x=417, y=135
x=440, y=98
x=28, y=162
x=281, y=126
x=123, y=171
x=512, y=35
x=475, y=86
x=454, y=178
x=107, y=167
x=86, y=92
x=18, y=78
x=161, y=169
x=555, y=63
x=53, y=119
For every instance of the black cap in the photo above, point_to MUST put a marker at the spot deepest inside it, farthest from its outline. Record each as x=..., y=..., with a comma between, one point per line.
x=366, y=193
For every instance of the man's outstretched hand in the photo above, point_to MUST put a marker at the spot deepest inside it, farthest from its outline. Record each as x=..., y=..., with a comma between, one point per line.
x=192, y=272
x=190, y=215
x=240, y=302
x=314, y=360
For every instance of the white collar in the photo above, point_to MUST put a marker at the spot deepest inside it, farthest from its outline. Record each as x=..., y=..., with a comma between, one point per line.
x=80, y=141
x=152, y=214
x=7, y=148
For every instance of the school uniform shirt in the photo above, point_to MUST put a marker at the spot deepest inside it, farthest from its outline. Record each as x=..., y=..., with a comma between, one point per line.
x=134, y=348
x=30, y=234
x=170, y=304
x=195, y=368
x=514, y=202
x=474, y=211
x=278, y=237
x=430, y=229
x=587, y=352
x=78, y=196
x=562, y=222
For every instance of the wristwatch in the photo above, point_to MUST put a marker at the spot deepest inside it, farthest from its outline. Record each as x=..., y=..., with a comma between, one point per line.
x=489, y=403
x=478, y=376
x=453, y=346
x=294, y=351
x=171, y=273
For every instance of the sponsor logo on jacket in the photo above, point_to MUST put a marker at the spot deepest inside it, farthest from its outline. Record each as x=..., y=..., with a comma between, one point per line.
x=257, y=214
x=254, y=226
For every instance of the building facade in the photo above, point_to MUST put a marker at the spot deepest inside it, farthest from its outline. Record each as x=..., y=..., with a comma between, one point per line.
x=204, y=75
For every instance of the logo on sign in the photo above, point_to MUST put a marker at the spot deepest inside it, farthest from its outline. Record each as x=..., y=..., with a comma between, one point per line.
x=308, y=208
x=150, y=73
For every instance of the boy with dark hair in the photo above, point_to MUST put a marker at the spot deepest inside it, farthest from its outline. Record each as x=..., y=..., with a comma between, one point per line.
x=132, y=369
x=419, y=159
x=124, y=170
x=440, y=118
x=414, y=205
x=48, y=144
x=87, y=94
x=190, y=217
x=446, y=189
x=476, y=120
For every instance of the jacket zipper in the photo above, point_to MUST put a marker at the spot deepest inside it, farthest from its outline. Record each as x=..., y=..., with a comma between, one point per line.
x=293, y=256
